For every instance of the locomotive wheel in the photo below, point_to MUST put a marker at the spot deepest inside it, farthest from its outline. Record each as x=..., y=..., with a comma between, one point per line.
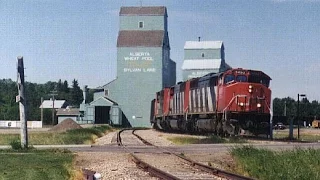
x=231, y=127
x=155, y=126
x=219, y=128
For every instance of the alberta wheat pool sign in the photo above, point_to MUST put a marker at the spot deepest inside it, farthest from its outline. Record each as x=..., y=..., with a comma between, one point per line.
x=139, y=62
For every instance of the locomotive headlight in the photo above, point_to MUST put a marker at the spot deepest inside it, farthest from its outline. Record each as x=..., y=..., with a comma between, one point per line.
x=250, y=88
x=259, y=105
x=241, y=104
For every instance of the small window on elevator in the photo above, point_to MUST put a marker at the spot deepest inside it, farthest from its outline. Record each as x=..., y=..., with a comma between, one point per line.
x=140, y=24
x=106, y=92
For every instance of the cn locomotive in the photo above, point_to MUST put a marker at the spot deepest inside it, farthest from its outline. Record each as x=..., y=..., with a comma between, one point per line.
x=233, y=102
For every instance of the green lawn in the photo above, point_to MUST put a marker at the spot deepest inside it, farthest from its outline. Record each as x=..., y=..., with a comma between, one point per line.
x=25, y=165
x=75, y=136
x=264, y=164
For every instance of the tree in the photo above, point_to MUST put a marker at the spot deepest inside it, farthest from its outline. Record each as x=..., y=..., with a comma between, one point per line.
x=76, y=94
x=65, y=87
x=280, y=104
x=9, y=109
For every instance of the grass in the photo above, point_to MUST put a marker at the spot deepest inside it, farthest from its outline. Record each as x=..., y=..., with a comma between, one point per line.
x=75, y=136
x=265, y=164
x=36, y=164
x=180, y=140
x=314, y=137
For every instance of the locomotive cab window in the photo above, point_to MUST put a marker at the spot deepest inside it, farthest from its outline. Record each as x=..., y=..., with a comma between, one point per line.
x=265, y=82
x=229, y=78
x=241, y=78
x=259, y=79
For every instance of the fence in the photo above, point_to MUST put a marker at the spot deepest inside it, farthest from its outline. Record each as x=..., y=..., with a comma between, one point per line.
x=17, y=124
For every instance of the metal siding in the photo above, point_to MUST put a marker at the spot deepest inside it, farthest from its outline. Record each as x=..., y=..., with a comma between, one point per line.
x=197, y=54
x=209, y=99
x=90, y=113
x=116, y=115
x=202, y=64
x=182, y=102
x=101, y=102
x=97, y=95
x=135, y=90
x=149, y=22
x=189, y=74
x=191, y=54
x=194, y=99
x=203, y=100
x=171, y=106
x=190, y=101
x=203, y=45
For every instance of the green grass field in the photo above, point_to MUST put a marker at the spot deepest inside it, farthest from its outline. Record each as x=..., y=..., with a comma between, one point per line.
x=312, y=135
x=180, y=140
x=263, y=164
x=75, y=136
x=33, y=164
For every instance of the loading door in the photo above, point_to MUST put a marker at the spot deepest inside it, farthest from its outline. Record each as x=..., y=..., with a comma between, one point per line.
x=116, y=115
x=102, y=115
x=90, y=114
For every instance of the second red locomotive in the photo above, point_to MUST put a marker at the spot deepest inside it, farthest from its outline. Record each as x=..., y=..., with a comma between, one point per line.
x=233, y=102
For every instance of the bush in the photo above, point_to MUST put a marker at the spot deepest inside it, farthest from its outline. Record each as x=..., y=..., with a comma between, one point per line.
x=16, y=144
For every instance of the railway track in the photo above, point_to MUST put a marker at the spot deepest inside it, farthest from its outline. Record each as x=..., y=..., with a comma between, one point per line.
x=164, y=164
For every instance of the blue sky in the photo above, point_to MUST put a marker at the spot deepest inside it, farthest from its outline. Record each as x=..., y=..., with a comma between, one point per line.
x=77, y=38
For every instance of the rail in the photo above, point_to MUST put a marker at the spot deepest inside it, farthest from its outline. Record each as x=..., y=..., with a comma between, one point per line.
x=145, y=166
x=161, y=174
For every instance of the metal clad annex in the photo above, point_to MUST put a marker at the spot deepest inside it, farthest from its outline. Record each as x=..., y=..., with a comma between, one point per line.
x=143, y=63
x=203, y=57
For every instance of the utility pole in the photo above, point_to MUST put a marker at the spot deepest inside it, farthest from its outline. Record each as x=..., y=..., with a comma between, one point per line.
x=22, y=102
x=53, y=93
x=41, y=110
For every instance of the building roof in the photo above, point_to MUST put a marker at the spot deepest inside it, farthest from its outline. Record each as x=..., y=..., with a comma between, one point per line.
x=140, y=38
x=68, y=112
x=203, y=45
x=201, y=64
x=57, y=104
x=145, y=11
x=103, y=101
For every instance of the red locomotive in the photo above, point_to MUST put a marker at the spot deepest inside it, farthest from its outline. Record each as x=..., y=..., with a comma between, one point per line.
x=233, y=102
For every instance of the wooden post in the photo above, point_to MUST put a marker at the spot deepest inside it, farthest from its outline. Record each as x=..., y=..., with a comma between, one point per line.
x=22, y=103
x=42, y=110
x=53, y=93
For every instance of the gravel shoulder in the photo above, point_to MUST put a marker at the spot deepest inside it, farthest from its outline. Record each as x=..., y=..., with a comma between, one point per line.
x=111, y=166
x=221, y=160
